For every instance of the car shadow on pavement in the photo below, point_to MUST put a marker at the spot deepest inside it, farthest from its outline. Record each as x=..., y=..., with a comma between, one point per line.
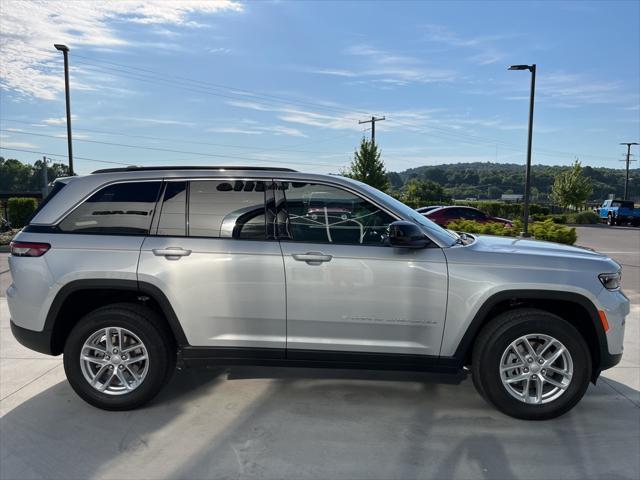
x=285, y=423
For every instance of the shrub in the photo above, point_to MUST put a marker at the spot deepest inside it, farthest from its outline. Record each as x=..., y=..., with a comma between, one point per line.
x=584, y=218
x=20, y=209
x=562, y=219
x=6, y=237
x=546, y=230
x=469, y=226
x=554, y=232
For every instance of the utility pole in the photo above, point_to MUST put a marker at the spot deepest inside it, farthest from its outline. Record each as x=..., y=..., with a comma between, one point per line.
x=65, y=52
x=45, y=178
x=373, y=126
x=626, y=178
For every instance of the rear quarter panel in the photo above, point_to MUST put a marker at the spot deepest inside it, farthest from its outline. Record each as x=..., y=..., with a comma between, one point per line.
x=36, y=281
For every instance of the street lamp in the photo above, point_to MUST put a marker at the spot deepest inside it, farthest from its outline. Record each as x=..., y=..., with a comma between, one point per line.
x=65, y=52
x=527, y=178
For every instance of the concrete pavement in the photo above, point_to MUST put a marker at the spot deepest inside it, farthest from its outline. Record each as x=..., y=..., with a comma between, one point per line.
x=288, y=423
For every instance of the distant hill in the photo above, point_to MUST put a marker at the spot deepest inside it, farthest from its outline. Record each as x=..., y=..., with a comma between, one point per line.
x=490, y=180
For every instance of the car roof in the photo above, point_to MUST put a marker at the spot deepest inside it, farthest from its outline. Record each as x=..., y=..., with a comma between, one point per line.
x=80, y=187
x=134, y=168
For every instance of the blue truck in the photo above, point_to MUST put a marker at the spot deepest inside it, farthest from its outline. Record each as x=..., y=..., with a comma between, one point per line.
x=619, y=212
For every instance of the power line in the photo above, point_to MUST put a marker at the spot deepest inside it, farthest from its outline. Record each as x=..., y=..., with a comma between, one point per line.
x=169, y=150
x=194, y=142
x=61, y=156
x=246, y=92
x=199, y=87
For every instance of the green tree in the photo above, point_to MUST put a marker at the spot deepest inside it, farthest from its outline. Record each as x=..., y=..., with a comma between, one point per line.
x=367, y=166
x=572, y=187
x=16, y=176
x=418, y=193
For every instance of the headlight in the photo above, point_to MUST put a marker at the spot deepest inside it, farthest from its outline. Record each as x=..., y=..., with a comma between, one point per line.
x=611, y=281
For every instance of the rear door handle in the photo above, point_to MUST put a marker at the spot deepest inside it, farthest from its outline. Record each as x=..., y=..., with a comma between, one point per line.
x=172, y=253
x=312, y=258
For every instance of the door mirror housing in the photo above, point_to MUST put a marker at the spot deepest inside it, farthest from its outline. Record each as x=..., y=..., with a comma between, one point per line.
x=405, y=234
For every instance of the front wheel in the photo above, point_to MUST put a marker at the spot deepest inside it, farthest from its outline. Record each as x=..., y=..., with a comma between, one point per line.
x=118, y=357
x=610, y=220
x=531, y=364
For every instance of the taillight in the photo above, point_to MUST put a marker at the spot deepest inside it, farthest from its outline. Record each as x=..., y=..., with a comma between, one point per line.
x=28, y=249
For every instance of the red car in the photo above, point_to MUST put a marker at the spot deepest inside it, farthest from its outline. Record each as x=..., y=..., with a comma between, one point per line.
x=444, y=215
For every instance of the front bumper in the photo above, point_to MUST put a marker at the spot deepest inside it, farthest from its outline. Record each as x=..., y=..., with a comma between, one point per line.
x=37, y=341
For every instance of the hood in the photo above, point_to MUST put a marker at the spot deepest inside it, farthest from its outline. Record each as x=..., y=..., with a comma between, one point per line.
x=496, y=244
x=535, y=254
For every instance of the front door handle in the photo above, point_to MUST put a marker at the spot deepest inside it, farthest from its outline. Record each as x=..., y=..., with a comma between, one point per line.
x=312, y=258
x=171, y=253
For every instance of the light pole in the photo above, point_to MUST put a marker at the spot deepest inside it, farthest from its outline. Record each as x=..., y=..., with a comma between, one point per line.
x=65, y=52
x=527, y=178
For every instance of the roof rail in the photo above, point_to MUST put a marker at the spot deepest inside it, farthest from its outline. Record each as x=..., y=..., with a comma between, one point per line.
x=190, y=167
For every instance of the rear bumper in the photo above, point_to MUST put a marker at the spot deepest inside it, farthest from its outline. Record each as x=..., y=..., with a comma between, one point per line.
x=38, y=341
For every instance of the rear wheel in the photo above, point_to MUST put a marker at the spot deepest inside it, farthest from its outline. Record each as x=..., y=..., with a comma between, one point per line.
x=118, y=357
x=531, y=364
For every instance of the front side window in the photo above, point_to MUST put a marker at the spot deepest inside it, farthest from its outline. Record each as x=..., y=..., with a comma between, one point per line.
x=227, y=209
x=318, y=213
x=118, y=209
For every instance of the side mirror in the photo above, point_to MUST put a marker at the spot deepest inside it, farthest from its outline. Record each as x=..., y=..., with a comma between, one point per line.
x=405, y=234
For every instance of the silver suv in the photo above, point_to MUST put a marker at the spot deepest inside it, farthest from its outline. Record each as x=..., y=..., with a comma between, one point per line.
x=129, y=272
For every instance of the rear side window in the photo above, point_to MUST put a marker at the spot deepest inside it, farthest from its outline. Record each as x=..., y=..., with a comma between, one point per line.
x=119, y=209
x=227, y=209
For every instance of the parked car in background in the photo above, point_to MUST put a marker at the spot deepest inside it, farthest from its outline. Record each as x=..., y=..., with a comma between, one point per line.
x=445, y=215
x=619, y=212
x=424, y=210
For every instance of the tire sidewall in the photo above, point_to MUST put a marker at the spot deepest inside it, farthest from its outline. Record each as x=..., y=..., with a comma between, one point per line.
x=158, y=363
x=560, y=330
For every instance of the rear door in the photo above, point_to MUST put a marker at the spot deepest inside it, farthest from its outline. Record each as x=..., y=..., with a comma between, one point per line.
x=220, y=268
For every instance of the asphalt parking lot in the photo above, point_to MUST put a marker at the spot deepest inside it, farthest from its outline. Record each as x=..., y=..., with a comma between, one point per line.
x=282, y=423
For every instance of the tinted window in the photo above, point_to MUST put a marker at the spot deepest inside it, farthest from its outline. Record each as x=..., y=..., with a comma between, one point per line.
x=322, y=214
x=229, y=209
x=471, y=214
x=123, y=208
x=173, y=213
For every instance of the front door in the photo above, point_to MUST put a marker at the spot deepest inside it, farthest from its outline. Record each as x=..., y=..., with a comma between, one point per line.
x=347, y=289
x=219, y=268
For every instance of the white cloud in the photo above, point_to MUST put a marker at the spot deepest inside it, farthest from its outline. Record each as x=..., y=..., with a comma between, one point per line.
x=486, y=52
x=14, y=144
x=28, y=29
x=384, y=68
x=58, y=120
x=254, y=128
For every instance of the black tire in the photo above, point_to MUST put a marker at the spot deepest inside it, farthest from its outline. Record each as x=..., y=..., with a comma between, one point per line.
x=610, y=220
x=494, y=339
x=149, y=328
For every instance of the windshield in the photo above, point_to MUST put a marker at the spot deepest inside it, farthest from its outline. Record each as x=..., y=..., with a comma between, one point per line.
x=444, y=236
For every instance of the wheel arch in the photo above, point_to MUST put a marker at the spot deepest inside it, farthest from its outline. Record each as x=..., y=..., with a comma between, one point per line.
x=572, y=307
x=79, y=297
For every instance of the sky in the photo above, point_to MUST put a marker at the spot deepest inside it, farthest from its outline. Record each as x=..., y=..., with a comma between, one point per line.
x=285, y=83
